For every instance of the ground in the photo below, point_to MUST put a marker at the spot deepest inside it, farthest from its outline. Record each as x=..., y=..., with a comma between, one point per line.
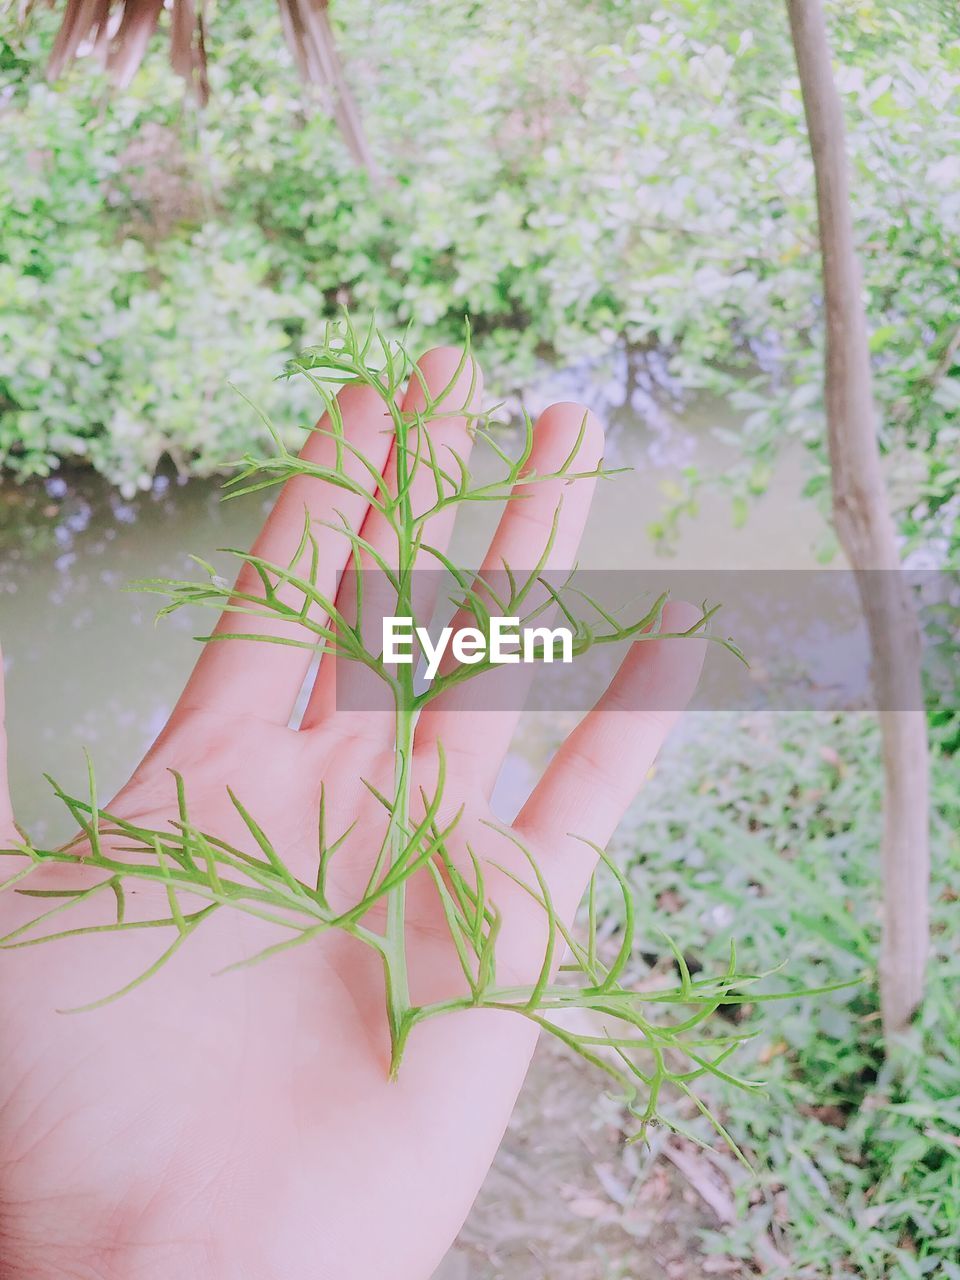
x=569, y=1199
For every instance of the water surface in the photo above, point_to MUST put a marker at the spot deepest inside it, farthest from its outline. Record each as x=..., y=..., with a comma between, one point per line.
x=88, y=668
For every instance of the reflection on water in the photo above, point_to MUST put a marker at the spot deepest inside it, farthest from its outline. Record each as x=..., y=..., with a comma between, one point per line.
x=86, y=666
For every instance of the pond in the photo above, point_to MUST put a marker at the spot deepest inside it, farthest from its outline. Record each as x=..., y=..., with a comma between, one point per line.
x=87, y=667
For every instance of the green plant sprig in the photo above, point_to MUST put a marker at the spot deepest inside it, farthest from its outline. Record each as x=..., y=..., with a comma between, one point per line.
x=185, y=862
x=201, y=874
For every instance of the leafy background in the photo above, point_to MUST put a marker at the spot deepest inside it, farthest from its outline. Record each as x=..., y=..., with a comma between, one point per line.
x=571, y=176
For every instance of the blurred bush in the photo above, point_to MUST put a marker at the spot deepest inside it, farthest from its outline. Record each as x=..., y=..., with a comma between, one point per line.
x=570, y=176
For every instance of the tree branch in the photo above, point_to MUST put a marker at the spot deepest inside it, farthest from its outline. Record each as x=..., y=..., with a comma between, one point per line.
x=866, y=533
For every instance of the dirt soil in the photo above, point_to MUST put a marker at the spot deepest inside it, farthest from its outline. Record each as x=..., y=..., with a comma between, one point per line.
x=567, y=1199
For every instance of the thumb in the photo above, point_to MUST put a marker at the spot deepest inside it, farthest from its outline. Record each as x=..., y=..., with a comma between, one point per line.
x=8, y=831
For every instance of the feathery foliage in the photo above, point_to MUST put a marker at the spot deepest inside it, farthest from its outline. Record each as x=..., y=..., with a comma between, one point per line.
x=645, y=1041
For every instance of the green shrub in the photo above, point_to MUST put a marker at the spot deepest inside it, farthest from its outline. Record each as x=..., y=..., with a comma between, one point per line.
x=570, y=177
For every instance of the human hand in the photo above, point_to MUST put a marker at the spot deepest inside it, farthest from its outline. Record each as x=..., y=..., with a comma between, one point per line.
x=246, y=1128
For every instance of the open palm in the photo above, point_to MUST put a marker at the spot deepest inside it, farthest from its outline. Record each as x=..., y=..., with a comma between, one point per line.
x=244, y=1127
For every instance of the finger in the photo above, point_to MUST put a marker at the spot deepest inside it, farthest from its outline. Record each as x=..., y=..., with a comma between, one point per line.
x=481, y=738
x=263, y=679
x=7, y=829
x=601, y=766
x=442, y=372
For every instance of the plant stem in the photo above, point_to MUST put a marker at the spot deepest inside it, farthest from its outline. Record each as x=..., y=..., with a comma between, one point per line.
x=395, y=952
x=395, y=949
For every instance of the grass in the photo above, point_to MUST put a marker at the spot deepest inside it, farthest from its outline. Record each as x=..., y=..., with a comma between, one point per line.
x=769, y=828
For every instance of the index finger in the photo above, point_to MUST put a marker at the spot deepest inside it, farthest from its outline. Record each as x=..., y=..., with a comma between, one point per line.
x=264, y=679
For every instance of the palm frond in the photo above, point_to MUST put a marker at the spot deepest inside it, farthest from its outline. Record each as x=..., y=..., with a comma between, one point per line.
x=119, y=31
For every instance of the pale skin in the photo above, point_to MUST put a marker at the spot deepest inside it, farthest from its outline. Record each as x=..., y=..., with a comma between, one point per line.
x=243, y=1127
